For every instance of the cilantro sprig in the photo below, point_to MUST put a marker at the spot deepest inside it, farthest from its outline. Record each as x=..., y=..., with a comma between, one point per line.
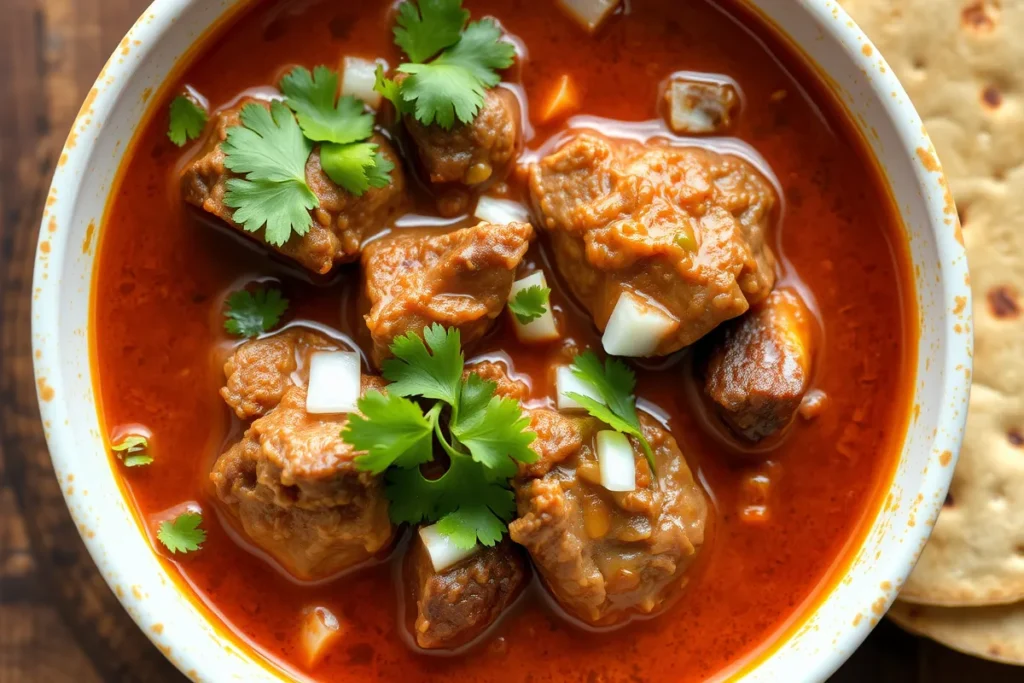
x=340, y=125
x=182, y=534
x=614, y=382
x=251, y=313
x=271, y=147
x=452, y=85
x=530, y=303
x=188, y=120
x=133, y=451
x=482, y=435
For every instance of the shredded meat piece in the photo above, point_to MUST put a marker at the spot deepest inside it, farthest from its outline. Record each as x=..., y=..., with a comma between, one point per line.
x=455, y=606
x=760, y=366
x=293, y=486
x=605, y=555
x=458, y=279
x=259, y=371
x=683, y=227
x=340, y=224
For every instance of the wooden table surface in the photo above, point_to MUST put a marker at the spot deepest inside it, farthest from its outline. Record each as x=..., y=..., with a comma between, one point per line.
x=58, y=620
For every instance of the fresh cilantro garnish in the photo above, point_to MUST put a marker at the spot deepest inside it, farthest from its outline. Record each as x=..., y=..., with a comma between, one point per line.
x=424, y=31
x=323, y=116
x=132, y=451
x=467, y=504
x=452, y=86
x=492, y=428
x=530, y=303
x=415, y=371
x=392, y=431
x=340, y=125
x=486, y=435
x=187, y=120
x=614, y=383
x=182, y=535
x=270, y=150
x=250, y=314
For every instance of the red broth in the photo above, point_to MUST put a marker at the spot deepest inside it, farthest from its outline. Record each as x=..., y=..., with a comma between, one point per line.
x=158, y=347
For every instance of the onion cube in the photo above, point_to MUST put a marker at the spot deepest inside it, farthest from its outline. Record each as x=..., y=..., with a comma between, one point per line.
x=501, y=211
x=334, y=382
x=636, y=327
x=542, y=329
x=358, y=77
x=615, y=459
x=443, y=552
x=566, y=382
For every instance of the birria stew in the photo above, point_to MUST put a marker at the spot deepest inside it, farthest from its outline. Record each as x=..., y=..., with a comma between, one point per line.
x=501, y=340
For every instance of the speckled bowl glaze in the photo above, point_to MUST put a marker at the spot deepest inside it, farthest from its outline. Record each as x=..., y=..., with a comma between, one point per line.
x=812, y=647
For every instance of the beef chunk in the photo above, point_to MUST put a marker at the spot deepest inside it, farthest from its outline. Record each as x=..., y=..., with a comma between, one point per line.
x=682, y=227
x=458, y=279
x=455, y=606
x=292, y=484
x=470, y=153
x=259, y=371
x=760, y=366
x=605, y=555
x=506, y=387
x=341, y=222
x=700, y=107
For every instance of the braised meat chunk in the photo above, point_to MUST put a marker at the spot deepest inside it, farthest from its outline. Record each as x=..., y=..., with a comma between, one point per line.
x=292, y=484
x=259, y=371
x=456, y=605
x=470, y=153
x=760, y=366
x=607, y=555
x=459, y=279
x=340, y=223
x=678, y=234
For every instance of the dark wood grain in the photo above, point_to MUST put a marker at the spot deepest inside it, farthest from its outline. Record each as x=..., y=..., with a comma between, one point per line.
x=58, y=620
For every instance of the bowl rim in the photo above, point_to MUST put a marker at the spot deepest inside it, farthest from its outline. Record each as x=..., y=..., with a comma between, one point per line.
x=54, y=398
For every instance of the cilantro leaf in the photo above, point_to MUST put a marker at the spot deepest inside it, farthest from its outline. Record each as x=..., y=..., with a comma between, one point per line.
x=379, y=175
x=415, y=371
x=355, y=166
x=182, y=535
x=132, y=451
x=441, y=93
x=494, y=429
x=188, y=120
x=312, y=97
x=250, y=314
x=425, y=30
x=453, y=85
x=481, y=52
x=530, y=303
x=471, y=522
x=484, y=506
x=389, y=89
x=269, y=149
x=614, y=382
x=392, y=430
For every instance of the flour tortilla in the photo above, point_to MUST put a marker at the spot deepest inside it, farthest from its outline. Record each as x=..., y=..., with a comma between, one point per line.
x=993, y=632
x=962, y=62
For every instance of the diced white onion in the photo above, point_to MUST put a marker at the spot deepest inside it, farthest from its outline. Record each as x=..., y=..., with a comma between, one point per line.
x=615, y=459
x=636, y=327
x=443, y=553
x=320, y=628
x=542, y=329
x=334, y=382
x=501, y=211
x=358, y=77
x=566, y=382
x=589, y=13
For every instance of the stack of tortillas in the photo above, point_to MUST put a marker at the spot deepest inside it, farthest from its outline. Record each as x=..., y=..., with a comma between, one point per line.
x=962, y=62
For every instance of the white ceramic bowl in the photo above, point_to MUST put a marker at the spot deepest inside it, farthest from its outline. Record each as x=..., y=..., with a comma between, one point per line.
x=810, y=651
